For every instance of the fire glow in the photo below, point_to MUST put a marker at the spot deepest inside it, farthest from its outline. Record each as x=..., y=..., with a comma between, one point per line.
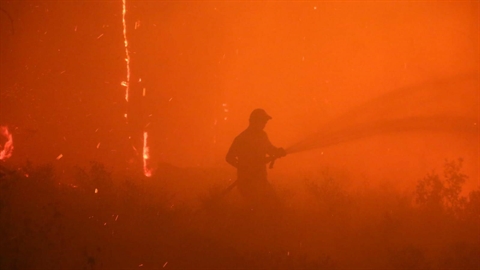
x=146, y=155
x=7, y=148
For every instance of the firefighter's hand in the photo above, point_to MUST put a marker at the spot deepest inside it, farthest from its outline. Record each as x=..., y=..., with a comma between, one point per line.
x=281, y=152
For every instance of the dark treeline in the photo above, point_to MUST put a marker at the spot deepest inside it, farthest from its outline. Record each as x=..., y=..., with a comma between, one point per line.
x=95, y=219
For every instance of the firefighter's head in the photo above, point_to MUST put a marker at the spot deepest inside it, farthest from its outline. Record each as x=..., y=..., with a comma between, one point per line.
x=259, y=118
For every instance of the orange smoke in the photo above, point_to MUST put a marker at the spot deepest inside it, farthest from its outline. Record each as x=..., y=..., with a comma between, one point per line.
x=7, y=148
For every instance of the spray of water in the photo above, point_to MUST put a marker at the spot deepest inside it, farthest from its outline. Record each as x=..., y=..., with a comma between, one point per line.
x=441, y=106
x=440, y=123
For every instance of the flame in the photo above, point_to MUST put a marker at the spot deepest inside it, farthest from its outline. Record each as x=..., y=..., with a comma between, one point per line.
x=7, y=148
x=146, y=155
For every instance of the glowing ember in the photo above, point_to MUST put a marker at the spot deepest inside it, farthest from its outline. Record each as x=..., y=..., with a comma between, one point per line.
x=146, y=155
x=7, y=149
x=127, y=52
x=126, y=83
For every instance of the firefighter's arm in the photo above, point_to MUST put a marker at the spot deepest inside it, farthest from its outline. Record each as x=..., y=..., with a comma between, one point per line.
x=276, y=152
x=273, y=151
x=280, y=152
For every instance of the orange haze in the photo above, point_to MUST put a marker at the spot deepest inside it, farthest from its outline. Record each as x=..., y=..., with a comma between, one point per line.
x=206, y=66
x=376, y=103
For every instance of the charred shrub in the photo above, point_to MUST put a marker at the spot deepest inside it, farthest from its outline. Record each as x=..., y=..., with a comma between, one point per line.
x=408, y=257
x=460, y=255
x=329, y=196
x=443, y=195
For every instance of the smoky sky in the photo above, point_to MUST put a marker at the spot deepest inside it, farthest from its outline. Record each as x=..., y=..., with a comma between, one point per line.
x=204, y=66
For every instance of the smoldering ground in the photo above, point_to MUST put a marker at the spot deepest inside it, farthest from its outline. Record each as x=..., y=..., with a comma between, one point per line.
x=101, y=220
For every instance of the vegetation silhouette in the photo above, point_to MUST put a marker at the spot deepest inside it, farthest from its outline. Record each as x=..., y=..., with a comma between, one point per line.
x=97, y=219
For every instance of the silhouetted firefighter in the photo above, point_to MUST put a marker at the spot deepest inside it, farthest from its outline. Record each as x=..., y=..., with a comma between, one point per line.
x=249, y=153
